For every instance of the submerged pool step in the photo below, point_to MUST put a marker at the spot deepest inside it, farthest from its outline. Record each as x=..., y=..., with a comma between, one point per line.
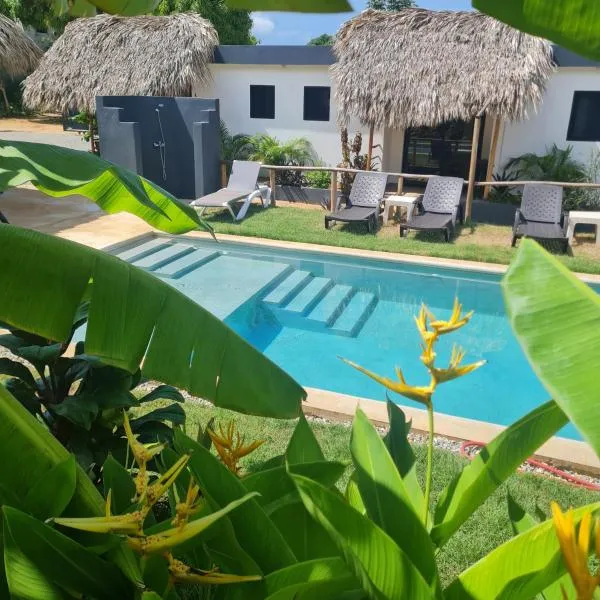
x=330, y=307
x=309, y=296
x=162, y=257
x=186, y=263
x=142, y=250
x=355, y=314
x=287, y=289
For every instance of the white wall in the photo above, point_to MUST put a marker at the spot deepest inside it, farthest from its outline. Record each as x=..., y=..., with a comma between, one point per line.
x=549, y=126
x=231, y=85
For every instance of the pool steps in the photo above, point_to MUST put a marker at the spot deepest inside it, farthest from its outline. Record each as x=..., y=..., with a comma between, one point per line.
x=297, y=298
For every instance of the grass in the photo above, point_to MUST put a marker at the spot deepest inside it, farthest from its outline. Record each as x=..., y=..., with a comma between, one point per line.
x=484, y=531
x=306, y=225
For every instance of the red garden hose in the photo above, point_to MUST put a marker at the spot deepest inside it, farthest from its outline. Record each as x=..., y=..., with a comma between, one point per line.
x=572, y=479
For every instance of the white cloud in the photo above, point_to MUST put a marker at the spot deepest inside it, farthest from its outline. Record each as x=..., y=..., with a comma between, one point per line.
x=261, y=24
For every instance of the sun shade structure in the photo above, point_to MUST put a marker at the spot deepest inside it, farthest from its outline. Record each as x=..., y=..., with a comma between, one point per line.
x=19, y=55
x=115, y=56
x=417, y=67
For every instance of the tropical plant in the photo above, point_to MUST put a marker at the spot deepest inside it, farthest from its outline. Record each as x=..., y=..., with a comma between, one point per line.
x=317, y=179
x=351, y=159
x=80, y=399
x=504, y=194
x=234, y=147
x=557, y=164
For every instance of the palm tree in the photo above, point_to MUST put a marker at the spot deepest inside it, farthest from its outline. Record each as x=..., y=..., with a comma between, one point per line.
x=234, y=147
x=269, y=150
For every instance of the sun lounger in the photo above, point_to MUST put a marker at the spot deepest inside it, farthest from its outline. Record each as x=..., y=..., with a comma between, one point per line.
x=541, y=216
x=438, y=209
x=366, y=197
x=241, y=187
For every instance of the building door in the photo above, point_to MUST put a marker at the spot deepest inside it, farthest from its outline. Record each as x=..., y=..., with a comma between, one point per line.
x=442, y=150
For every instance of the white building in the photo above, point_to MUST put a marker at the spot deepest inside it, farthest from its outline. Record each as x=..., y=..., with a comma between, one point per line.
x=286, y=92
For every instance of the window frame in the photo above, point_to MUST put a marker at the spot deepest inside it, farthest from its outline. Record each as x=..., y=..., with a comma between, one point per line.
x=577, y=94
x=253, y=101
x=304, y=107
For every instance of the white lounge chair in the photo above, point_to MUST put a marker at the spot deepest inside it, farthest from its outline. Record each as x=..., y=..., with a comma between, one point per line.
x=242, y=186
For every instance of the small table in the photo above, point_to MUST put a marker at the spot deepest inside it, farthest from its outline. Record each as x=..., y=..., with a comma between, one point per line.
x=406, y=201
x=583, y=216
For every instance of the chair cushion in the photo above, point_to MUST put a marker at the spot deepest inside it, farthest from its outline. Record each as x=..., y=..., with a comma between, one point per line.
x=430, y=221
x=221, y=198
x=353, y=213
x=546, y=231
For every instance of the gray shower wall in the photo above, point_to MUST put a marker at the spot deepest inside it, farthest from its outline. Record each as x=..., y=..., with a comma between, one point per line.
x=129, y=128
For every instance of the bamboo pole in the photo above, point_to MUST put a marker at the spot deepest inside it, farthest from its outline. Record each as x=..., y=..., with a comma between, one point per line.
x=223, y=174
x=400, y=186
x=472, y=168
x=333, y=186
x=272, y=184
x=492, y=156
x=370, y=148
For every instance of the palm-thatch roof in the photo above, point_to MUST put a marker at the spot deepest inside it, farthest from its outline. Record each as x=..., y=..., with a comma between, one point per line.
x=115, y=56
x=418, y=67
x=19, y=54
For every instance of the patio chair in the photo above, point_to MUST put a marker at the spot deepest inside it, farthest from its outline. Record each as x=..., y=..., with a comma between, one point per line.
x=438, y=209
x=242, y=186
x=541, y=216
x=3, y=219
x=366, y=197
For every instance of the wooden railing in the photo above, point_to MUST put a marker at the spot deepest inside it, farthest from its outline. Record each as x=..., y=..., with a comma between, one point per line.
x=402, y=177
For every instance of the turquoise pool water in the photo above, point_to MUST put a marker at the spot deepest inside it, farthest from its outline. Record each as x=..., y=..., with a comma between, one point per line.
x=304, y=309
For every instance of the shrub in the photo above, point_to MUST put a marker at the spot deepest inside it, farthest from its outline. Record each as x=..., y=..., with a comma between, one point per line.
x=317, y=179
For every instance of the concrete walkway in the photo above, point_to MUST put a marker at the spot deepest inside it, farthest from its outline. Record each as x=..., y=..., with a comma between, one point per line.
x=66, y=139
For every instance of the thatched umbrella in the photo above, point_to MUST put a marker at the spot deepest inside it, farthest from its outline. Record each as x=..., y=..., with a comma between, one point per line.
x=417, y=67
x=114, y=56
x=19, y=55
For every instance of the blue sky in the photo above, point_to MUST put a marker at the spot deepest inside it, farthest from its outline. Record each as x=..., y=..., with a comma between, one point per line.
x=293, y=28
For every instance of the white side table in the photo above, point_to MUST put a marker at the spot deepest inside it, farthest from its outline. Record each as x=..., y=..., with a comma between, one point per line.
x=406, y=201
x=583, y=216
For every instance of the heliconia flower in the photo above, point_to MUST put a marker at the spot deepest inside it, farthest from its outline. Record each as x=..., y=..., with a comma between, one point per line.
x=230, y=446
x=183, y=510
x=182, y=573
x=455, y=369
x=143, y=453
x=456, y=320
x=420, y=394
x=154, y=492
x=128, y=524
x=575, y=550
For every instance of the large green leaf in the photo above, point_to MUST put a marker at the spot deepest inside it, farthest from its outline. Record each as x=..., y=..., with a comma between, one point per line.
x=492, y=466
x=573, y=24
x=386, y=498
x=119, y=482
x=518, y=569
x=135, y=315
x=59, y=172
x=63, y=561
x=306, y=6
x=303, y=445
x=403, y=456
x=556, y=318
x=255, y=532
x=381, y=567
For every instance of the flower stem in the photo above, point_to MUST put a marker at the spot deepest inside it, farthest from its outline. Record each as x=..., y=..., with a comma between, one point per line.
x=429, y=473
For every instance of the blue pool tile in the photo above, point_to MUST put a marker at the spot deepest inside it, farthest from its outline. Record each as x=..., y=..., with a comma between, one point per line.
x=186, y=263
x=162, y=257
x=310, y=295
x=332, y=304
x=142, y=250
x=288, y=288
x=354, y=316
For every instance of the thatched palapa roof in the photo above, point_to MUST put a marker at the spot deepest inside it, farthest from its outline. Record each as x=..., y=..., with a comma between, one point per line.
x=19, y=54
x=115, y=56
x=418, y=67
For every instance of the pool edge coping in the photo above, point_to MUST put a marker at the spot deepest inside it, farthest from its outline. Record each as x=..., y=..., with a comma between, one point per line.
x=561, y=451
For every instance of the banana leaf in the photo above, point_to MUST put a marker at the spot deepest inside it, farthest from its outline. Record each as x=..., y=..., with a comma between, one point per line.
x=60, y=172
x=133, y=317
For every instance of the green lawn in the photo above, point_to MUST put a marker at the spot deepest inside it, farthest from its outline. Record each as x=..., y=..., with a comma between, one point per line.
x=484, y=531
x=306, y=225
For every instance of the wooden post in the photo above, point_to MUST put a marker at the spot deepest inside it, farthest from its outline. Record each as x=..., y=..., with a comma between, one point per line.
x=370, y=148
x=91, y=134
x=223, y=175
x=492, y=157
x=400, y=187
x=333, y=191
x=473, y=167
x=272, y=184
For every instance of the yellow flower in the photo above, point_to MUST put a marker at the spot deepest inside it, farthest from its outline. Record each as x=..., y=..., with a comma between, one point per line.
x=182, y=573
x=456, y=321
x=231, y=447
x=420, y=394
x=154, y=492
x=184, y=510
x=575, y=550
x=455, y=369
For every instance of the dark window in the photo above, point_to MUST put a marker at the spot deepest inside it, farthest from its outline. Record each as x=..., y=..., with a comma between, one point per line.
x=584, y=124
x=316, y=103
x=262, y=101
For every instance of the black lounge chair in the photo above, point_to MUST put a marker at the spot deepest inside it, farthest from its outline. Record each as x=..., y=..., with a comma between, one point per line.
x=541, y=216
x=438, y=209
x=366, y=197
x=3, y=219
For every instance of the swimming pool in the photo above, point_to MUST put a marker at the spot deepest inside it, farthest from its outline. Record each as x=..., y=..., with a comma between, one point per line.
x=305, y=309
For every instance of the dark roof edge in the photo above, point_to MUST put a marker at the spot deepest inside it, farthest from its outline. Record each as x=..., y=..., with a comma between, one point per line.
x=274, y=55
x=567, y=58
